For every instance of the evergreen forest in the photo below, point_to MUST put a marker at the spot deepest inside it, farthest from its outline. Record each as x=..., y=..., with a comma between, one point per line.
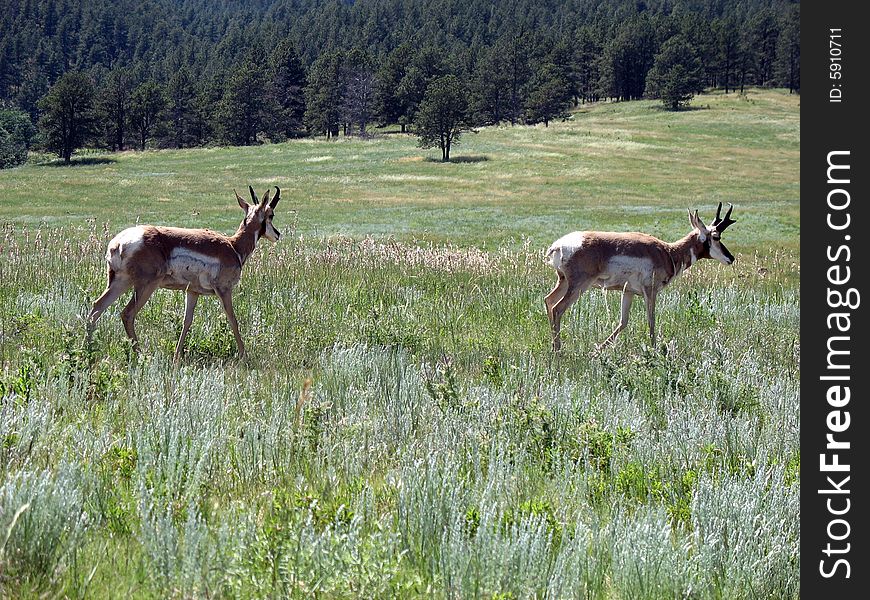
x=132, y=74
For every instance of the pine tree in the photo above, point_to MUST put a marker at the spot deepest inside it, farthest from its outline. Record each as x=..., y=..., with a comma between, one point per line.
x=114, y=106
x=240, y=114
x=588, y=52
x=147, y=106
x=16, y=132
x=323, y=95
x=788, y=52
x=203, y=109
x=627, y=59
x=514, y=48
x=287, y=78
x=729, y=49
x=426, y=65
x=357, y=79
x=442, y=115
x=549, y=96
x=698, y=31
x=389, y=105
x=69, y=118
x=763, y=32
x=180, y=95
x=676, y=75
x=490, y=87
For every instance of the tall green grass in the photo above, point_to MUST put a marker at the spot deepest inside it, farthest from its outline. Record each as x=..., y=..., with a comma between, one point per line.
x=401, y=428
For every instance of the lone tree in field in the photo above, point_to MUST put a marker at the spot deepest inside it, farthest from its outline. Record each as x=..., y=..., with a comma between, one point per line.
x=676, y=75
x=68, y=119
x=442, y=115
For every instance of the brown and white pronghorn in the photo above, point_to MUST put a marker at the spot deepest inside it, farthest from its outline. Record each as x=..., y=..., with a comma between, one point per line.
x=636, y=263
x=195, y=261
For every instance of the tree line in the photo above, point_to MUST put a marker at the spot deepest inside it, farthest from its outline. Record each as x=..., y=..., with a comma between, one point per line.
x=185, y=73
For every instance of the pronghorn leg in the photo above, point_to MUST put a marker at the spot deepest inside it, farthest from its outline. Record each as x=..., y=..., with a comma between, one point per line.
x=624, y=313
x=190, y=299
x=128, y=315
x=226, y=298
x=570, y=297
x=554, y=296
x=115, y=288
x=649, y=297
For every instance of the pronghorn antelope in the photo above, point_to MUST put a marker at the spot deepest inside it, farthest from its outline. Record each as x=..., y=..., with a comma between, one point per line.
x=636, y=263
x=195, y=261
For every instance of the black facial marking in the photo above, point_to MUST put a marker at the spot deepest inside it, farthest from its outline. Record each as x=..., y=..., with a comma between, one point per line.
x=705, y=248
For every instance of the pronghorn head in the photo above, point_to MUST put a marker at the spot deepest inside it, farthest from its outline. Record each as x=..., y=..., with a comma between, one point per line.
x=710, y=235
x=259, y=214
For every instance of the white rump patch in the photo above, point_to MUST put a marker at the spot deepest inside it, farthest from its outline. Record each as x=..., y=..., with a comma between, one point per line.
x=123, y=246
x=564, y=248
x=187, y=267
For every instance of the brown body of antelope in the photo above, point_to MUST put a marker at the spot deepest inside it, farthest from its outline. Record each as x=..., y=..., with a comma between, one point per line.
x=195, y=261
x=635, y=263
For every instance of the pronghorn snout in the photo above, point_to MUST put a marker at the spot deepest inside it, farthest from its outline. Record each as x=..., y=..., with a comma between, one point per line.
x=721, y=253
x=271, y=233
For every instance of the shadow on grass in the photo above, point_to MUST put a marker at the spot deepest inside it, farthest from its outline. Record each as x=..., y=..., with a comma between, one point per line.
x=460, y=159
x=83, y=161
x=690, y=108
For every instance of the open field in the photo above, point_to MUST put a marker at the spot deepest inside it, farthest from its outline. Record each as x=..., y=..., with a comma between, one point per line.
x=400, y=427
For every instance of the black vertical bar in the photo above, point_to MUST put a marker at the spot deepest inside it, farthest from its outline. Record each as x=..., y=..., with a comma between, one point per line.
x=834, y=363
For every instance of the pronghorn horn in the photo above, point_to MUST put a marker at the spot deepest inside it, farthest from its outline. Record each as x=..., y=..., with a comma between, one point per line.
x=276, y=198
x=253, y=195
x=265, y=199
x=722, y=224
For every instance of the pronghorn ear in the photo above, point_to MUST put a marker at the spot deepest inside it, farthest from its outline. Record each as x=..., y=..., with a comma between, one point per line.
x=265, y=199
x=253, y=195
x=242, y=203
x=276, y=198
x=698, y=224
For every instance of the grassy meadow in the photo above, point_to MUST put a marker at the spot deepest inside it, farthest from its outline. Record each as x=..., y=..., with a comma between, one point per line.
x=400, y=427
